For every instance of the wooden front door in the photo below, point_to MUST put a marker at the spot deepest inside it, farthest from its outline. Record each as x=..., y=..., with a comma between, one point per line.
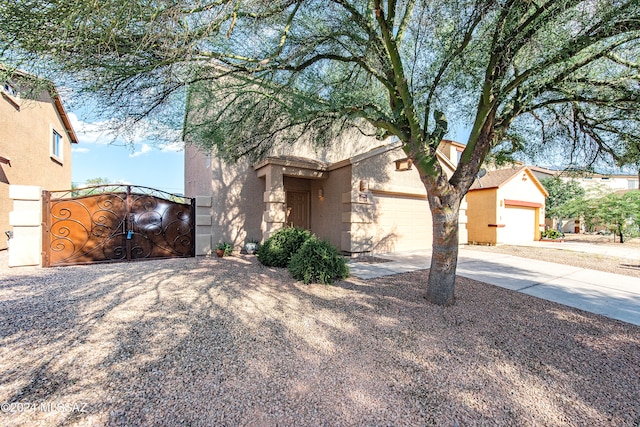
x=298, y=209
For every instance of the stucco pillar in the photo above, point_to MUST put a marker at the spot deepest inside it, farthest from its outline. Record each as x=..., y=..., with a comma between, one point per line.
x=203, y=225
x=357, y=217
x=25, y=248
x=463, y=234
x=274, y=216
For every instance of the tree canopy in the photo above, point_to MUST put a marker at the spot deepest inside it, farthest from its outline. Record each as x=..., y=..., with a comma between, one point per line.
x=617, y=212
x=518, y=73
x=571, y=66
x=560, y=193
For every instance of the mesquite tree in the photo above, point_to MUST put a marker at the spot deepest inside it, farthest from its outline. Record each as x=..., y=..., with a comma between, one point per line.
x=516, y=72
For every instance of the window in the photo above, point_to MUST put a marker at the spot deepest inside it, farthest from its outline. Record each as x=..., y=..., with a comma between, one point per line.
x=56, y=146
x=10, y=94
x=9, y=89
x=633, y=184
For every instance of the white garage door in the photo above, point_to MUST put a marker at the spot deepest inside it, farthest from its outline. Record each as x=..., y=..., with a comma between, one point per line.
x=403, y=223
x=520, y=225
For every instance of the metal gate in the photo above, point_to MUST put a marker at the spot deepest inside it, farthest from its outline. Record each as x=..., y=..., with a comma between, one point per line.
x=115, y=223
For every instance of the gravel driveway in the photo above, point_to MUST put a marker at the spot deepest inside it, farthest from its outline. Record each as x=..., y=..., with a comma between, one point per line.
x=204, y=342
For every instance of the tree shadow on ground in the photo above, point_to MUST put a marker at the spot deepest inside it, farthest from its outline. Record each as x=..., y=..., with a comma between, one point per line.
x=228, y=341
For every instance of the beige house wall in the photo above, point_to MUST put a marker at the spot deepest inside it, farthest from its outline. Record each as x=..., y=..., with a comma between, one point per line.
x=251, y=205
x=522, y=190
x=399, y=211
x=522, y=187
x=487, y=208
x=482, y=212
x=235, y=207
x=357, y=199
x=26, y=128
x=327, y=212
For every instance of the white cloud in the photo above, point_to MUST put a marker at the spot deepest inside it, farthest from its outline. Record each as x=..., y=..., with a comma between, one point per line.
x=90, y=133
x=175, y=146
x=144, y=148
x=101, y=132
x=79, y=150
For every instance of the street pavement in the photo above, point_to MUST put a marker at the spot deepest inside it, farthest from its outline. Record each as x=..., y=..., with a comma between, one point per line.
x=612, y=295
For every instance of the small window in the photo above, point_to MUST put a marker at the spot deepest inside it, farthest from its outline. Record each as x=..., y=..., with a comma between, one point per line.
x=605, y=178
x=9, y=89
x=56, y=146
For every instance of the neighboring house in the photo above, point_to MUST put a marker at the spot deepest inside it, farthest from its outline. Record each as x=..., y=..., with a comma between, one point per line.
x=35, y=140
x=606, y=183
x=595, y=185
x=354, y=194
x=506, y=206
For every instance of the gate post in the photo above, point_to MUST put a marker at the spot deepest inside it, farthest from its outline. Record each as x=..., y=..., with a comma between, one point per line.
x=25, y=247
x=203, y=221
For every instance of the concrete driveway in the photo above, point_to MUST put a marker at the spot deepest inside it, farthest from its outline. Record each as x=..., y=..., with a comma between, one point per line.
x=612, y=295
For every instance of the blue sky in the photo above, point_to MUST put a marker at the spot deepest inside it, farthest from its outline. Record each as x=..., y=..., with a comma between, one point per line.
x=142, y=163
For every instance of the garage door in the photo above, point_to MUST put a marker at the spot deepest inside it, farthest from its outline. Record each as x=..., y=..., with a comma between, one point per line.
x=520, y=225
x=403, y=223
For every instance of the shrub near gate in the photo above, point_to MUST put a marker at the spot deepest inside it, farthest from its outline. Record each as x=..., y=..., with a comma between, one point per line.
x=318, y=261
x=278, y=249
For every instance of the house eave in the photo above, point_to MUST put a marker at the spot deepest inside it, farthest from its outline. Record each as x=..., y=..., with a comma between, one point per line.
x=65, y=118
x=62, y=112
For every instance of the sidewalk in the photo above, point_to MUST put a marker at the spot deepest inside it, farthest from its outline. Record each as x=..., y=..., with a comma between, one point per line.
x=612, y=295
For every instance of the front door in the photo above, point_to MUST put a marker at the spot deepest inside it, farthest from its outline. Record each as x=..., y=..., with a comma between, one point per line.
x=298, y=209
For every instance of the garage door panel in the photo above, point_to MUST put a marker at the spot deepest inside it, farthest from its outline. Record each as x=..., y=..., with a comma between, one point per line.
x=403, y=223
x=520, y=225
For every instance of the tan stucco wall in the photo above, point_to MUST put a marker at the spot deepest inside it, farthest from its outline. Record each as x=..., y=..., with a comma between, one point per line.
x=326, y=213
x=488, y=206
x=346, y=215
x=25, y=138
x=237, y=196
x=521, y=188
x=482, y=206
x=399, y=212
x=252, y=213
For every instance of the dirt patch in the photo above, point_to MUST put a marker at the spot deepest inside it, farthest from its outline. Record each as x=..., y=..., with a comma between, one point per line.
x=609, y=264
x=229, y=342
x=599, y=239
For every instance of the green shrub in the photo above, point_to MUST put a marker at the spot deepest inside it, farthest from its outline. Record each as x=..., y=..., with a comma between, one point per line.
x=552, y=234
x=278, y=249
x=318, y=261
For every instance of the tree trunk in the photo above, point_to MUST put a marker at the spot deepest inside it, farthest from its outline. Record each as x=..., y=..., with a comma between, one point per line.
x=620, y=233
x=444, y=258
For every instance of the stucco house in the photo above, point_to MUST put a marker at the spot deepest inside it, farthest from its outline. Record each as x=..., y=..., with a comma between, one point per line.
x=35, y=140
x=594, y=184
x=506, y=206
x=358, y=194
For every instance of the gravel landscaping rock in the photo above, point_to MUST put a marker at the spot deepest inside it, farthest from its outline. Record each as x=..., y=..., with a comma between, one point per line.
x=208, y=341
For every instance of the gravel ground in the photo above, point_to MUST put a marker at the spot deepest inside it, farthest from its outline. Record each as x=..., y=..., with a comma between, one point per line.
x=609, y=264
x=205, y=342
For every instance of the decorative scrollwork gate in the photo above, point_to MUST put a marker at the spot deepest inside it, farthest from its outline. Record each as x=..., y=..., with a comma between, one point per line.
x=115, y=223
